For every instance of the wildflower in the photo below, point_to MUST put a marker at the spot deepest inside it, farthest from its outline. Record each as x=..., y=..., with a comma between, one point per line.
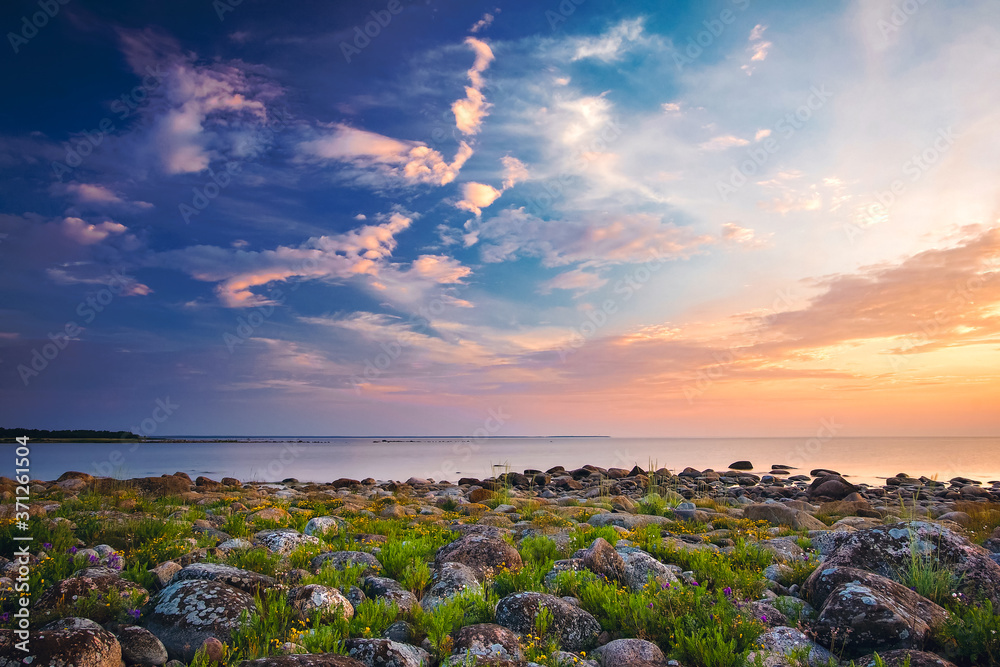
x=763, y=617
x=134, y=613
x=727, y=591
x=72, y=550
x=47, y=545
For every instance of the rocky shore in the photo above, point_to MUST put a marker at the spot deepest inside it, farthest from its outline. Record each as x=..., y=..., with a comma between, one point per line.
x=589, y=566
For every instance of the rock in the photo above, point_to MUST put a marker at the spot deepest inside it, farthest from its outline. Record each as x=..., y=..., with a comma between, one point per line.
x=488, y=640
x=234, y=544
x=576, y=629
x=77, y=644
x=245, y=580
x=449, y=580
x=741, y=465
x=386, y=653
x=886, y=550
x=213, y=650
x=784, y=549
x=480, y=494
x=63, y=594
x=602, y=559
x=283, y=540
x=901, y=657
x=865, y=612
x=270, y=514
x=830, y=486
x=778, y=514
x=341, y=559
x=188, y=612
x=140, y=646
x=486, y=555
x=308, y=599
x=400, y=631
x=777, y=644
x=961, y=518
x=640, y=566
x=626, y=652
x=305, y=660
x=391, y=591
x=321, y=524
x=627, y=521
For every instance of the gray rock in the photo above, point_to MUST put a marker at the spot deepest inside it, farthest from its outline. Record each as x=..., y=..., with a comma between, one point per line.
x=449, y=580
x=386, y=653
x=778, y=514
x=640, y=566
x=342, y=559
x=312, y=598
x=391, y=591
x=321, y=524
x=627, y=521
x=283, y=540
x=400, y=631
x=602, y=559
x=486, y=555
x=625, y=652
x=575, y=628
x=164, y=572
x=901, y=657
x=140, y=646
x=82, y=646
x=245, y=580
x=779, y=643
x=305, y=660
x=188, y=612
x=488, y=640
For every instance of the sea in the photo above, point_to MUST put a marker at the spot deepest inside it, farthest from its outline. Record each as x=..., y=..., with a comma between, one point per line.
x=317, y=459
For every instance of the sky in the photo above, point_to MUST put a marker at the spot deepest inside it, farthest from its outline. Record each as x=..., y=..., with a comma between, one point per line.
x=422, y=217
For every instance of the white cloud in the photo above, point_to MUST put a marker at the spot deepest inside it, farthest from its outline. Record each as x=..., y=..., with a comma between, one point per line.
x=483, y=23
x=576, y=280
x=610, y=46
x=470, y=112
x=723, y=142
x=93, y=193
x=85, y=233
x=477, y=196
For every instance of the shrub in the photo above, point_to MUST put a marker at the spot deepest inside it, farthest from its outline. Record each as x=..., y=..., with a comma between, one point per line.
x=258, y=560
x=971, y=636
x=538, y=549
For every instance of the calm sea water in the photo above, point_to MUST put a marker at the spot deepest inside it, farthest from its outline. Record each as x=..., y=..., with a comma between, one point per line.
x=327, y=459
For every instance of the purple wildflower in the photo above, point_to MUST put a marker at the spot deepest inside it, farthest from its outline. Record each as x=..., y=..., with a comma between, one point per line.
x=93, y=558
x=727, y=591
x=72, y=550
x=763, y=617
x=134, y=613
x=47, y=545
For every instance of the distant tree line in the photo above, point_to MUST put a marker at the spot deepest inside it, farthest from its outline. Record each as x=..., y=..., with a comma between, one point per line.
x=75, y=434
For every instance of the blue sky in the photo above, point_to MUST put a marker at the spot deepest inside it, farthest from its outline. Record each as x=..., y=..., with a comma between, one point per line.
x=724, y=218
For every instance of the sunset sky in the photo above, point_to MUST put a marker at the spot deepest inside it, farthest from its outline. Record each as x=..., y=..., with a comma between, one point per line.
x=395, y=217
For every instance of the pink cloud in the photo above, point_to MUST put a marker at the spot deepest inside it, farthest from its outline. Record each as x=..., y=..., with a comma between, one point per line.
x=470, y=111
x=85, y=233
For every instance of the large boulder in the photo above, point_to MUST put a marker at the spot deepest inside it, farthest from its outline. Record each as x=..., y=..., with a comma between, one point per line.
x=778, y=514
x=342, y=559
x=575, y=628
x=312, y=598
x=186, y=613
x=141, y=647
x=449, y=580
x=833, y=487
x=488, y=640
x=283, y=540
x=627, y=521
x=305, y=660
x=640, y=567
x=386, y=653
x=778, y=644
x=887, y=550
x=602, y=559
x=245, y=580
x=864, y=612
x=626, y=652
x=485, y=554
x=75, y=642
x=391, y=592
x=62, y=595
x=322, y=524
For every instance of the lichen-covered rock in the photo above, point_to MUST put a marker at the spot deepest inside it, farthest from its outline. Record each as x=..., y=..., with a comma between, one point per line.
x=306, y=660
x=245, y=580
x=627, y=521
x=77, y=645
x=602, y=559
x=566, y=565
x=342, y=559
x=164, y=572
x=386, y=653
x=575, y=628
x=309, y=599
x=778, y=514
x=486, y=555
x=391, y=591
x=901, y=657
x=864, y=612
x=100, y=581
x=188, y=612
x=282, y=540
x=777, y=644
x=626, y=652
x=784, y=549
x=322, y=524
x=449, y=580
x=886, y=550
x=640, y=567
x=488, y=640
x=141, y=647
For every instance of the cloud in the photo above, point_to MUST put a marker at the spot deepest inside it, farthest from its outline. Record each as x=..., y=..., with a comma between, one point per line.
x=671, y=107
x=610, y=46
x=470, y=112
x=392, y=161
x=762, y=134
x=723, y=142
x=477, y=196
x=361, y=251
x=514, y=171
x=124, y=285
x=758, y=48
x=577, y=280
x=757, y=32
x=484, y=22
x=85, y=233
x=93, y=193
x=734, y=233
x=196, y=109
x=439, y=268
